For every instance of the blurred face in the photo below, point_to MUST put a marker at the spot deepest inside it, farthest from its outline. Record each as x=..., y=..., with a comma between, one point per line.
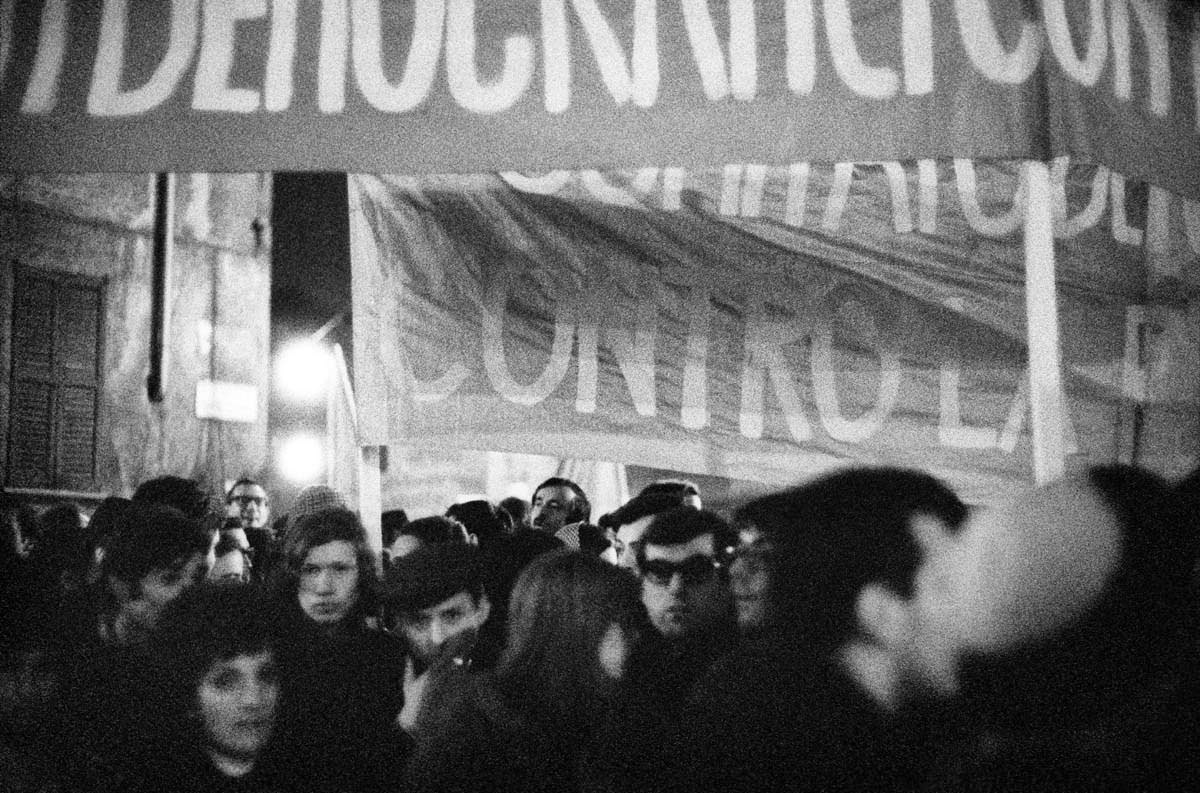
x=139, y=607
x=681, y=590
x=237, y=700
x=449, y=626
x=552, y=508
x=750, y=579
x=161, y=586
x=329, y=583
x=626, y=536
x=929, y=653
x=249, y=502
x=1021, y=571
x=230, y=569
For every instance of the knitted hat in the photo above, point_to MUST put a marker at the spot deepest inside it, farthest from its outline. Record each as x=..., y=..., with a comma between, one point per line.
x=569, y=534
x=314, y=499
x=431, y=574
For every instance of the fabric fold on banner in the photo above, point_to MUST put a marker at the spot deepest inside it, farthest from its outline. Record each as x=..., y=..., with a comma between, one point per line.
x=764, y=323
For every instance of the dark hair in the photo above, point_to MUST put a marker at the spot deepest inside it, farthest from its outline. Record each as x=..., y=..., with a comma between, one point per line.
x=62, y=545
x=684, y=524
x=391, y=522
x=840, y=532
x=561, y=607
x=335, y=524
x=245, y=480
x=517, y=509
x=640, y=506
x=435, y=530
x=228, y=543
x=206, y=624
x=502, y=562
x=1148, y=600
x=105, y=519
x=151, y=536
x=185, y=495
x=592, y=538
x=429, y=575
x=681, y=487
x=482, y=518
x=581, y=508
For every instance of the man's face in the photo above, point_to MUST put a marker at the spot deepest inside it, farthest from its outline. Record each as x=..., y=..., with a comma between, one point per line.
x=158, y=588
x=230, y=568
x=681, y=590
x=552, y=508
x=447, y=626
x=329, y=582
x=626, y=536
x=251, y=505
x=750, y=579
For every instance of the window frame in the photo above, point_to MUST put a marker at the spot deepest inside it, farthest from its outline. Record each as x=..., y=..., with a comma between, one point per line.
x=59, y=378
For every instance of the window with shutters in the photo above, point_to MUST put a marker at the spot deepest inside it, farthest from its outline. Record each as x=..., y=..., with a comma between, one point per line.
x=57, y=322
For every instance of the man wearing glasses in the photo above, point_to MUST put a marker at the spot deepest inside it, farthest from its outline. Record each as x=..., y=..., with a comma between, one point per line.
x=248, y=502
x=685, y=589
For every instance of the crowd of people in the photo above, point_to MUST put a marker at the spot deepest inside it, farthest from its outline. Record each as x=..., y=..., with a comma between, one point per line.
x=863, y=630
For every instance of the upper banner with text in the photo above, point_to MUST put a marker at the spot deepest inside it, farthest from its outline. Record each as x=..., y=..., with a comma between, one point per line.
x=465, y=86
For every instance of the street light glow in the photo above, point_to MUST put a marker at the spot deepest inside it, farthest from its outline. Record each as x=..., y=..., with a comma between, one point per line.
x=302, y=370
x=301, y=458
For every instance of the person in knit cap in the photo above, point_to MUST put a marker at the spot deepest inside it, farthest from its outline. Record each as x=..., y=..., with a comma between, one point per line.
x=313, y=499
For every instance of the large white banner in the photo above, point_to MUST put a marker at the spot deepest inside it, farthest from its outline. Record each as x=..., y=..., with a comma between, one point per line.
x=767, y=323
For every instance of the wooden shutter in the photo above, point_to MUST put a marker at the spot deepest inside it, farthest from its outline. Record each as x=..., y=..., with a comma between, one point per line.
x=56, y=357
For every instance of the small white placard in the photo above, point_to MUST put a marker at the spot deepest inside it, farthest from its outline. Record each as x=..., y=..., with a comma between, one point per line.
x=226, y=401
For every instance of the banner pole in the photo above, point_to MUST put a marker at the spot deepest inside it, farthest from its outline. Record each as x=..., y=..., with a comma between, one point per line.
x=1046, y=398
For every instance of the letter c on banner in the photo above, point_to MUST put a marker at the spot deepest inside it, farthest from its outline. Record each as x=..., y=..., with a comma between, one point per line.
x=496, y=364
x=825, y=377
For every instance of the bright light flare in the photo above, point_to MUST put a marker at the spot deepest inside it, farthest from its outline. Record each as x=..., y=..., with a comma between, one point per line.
x=300, y=458
x=302, y=370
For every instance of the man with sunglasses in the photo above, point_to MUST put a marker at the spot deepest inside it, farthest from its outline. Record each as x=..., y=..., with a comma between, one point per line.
x=685, y=588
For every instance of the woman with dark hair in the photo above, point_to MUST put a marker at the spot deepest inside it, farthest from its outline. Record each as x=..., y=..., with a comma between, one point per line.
x=541, y=722
x=214, y=699
x=343, y=677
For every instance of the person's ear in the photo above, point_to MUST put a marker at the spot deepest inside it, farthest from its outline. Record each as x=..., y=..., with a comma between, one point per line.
x=882, y=615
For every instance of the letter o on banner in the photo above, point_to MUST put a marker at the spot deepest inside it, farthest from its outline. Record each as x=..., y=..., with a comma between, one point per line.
x=883, y=326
